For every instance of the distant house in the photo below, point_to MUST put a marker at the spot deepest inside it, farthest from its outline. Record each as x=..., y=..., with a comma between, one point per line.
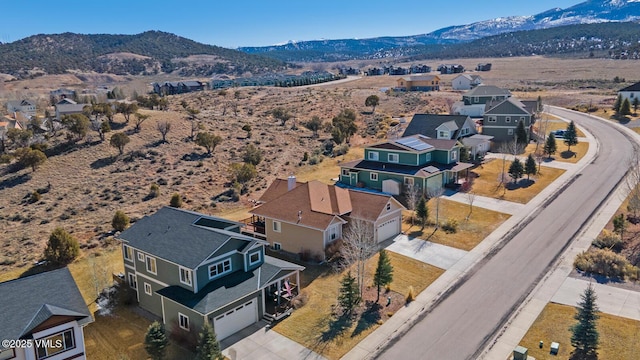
x=374, y=71
x=26, y=107
x=630, y=92
x=343, y=70
x=450, y=68
x=416, y=160
x=188, y=268
x=48, y=307
x=62, y=93
x=419, y=83
x=398, y=71
x=68, y=107
x=13, y=121
x=178, y=87
x=501, y=118
x=420, y=69
x=474, y=101
x=465, y=82
x=307, y=217
x=483, y=67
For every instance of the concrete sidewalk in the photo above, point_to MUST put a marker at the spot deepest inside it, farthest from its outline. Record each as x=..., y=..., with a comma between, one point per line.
x=403, y=319
x=611, y=300
x=503, y=206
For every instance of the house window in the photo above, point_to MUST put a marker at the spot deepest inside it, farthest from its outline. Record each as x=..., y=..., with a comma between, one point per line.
x=276, y=246
x=185, y=276
x=132, y=281
x=408, y=181
x=476, y=99
x=345, y=172
x=394, y=158
x=147, y=289
x=254, y=258
x=442, y=134
x=58, y=343
x=509, y=131
x=7, y=354
x=373, y=155
x=631, y=95
x=373, y=176
x=492, y=119
x=151, y=265
x=454, y=155
x=388, y=206
x=184, y=321
x=220, y=268
x=277, y=226
x=128, y=253
x=140, y=256
x=507, y=119
x=333, y=232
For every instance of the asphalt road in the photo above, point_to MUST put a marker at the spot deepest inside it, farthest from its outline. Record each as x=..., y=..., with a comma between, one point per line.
x=459, y=326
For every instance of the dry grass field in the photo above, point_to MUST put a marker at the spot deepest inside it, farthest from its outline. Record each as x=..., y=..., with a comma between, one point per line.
x=619, y=337
x=486, y=183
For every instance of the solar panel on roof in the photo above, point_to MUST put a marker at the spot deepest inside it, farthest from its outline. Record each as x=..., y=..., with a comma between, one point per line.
x=431, y=169
x=414, y=143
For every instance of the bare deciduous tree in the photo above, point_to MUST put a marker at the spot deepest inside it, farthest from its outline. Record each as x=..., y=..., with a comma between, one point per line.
x=358, y=245
x=163, y=128
x=471, y=197
x=412, y=196
x=436, y=193
x=632, y=181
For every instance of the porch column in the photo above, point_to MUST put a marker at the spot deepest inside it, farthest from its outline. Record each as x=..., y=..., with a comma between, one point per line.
x=298, y=281
x=279, y=294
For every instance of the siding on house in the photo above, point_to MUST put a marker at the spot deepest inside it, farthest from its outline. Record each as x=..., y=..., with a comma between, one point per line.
x=294, y=238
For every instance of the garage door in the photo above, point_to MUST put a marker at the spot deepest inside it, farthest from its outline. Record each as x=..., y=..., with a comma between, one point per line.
x=235, y=319
x=388, y=229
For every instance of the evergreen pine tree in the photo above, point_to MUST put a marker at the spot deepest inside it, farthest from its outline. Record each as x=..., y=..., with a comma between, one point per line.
x=635, y=103
x=348, y=297
x=384, y=272
x=550, y=145
x=585, y=335
x=571, y=136
x=617, y=104
x=625, y=108
x=464, y=154
x=422, y=211
x=521, y=135
x=208, y=345
x=530, y=167
x=155, y=341
x=516, y=170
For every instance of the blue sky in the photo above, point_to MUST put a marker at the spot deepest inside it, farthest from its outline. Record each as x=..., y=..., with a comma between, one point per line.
x=254, y=22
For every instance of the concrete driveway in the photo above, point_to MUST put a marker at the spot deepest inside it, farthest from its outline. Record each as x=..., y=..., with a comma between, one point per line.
x=434, y=254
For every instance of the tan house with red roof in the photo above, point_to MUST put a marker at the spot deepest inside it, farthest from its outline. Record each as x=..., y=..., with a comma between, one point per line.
x=306, y=217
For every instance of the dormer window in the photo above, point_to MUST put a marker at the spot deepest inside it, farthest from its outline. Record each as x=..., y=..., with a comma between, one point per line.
x=372, y=155
x=443, y=134
x=393, y=158
x=254, y=258
x=219, y=268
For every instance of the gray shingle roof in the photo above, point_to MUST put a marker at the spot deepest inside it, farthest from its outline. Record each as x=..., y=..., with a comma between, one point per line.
x=232, y=287
x=28, y=301
x=634, y=87
x=426, y=124
x=171, y=234
x=487, y=90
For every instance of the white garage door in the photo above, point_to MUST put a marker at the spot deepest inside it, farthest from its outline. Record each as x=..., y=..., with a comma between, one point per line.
x=388, y=229
x=235, y=319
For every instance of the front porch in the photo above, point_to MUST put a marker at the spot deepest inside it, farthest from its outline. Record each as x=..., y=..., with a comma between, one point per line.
x=278, y=296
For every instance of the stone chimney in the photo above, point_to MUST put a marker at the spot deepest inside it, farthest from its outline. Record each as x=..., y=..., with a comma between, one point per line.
x=291, y=182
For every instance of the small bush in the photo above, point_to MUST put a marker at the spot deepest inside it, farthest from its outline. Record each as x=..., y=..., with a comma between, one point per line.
x=608, y=240
x=390, y=313
x=305, y=156
x=61, y=248
x=154, y=191
x=176, y=200
x=451, y=226
x=315, y=160
x=607, y=263
x=410, y=295
x=341, y=150
x=387, y=288
x=5, y=158
x=333, y=249
x=300, y=300
x=120, y=221
x=35, y=197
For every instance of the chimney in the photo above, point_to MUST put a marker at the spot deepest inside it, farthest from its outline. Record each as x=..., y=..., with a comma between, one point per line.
x=291, y=182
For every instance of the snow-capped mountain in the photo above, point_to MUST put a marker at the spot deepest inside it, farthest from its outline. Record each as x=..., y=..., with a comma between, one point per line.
x=590, y=11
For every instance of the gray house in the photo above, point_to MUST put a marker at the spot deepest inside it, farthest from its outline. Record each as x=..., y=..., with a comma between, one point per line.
x=26, y=107
x=501, y=119
x=188, y=268
x=474, y=101
x=45, y=307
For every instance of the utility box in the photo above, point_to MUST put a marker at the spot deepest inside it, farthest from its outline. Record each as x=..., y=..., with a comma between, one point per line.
x=554, y=348
x=520, y=353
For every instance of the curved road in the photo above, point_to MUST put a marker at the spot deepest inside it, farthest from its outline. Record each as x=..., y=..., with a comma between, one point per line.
x=460, y=325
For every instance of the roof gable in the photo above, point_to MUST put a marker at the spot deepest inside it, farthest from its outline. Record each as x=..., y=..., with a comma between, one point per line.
x=634, y=87
x=487, y=90
x=427, y=124
x=507, y=106
x=27, y=302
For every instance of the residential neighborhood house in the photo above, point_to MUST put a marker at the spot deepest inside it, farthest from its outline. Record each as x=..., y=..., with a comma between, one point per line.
x=450, y=127
x=465, y=82
x=630, y=92
x=474, y=101
x=450, y=68
x=418, y=83
x=43, y=307
x=178, y=87
x=305, y=218
x=68, y=107
x=416, y=160
x=188, y=268
x=26, y=107
x=501, y=119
